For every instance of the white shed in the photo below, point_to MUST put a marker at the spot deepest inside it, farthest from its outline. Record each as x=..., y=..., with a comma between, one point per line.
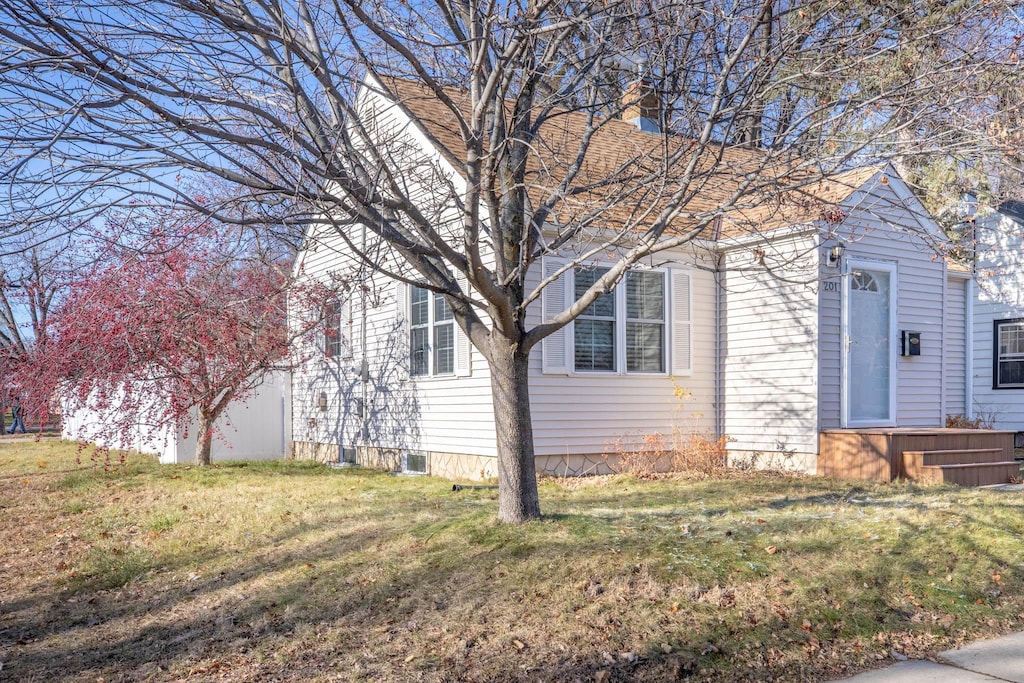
x=257, y=428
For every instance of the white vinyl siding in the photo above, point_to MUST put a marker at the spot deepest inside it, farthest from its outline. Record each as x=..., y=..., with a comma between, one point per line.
x=768, y=348
x=599, y=412
x=955, y=342
x=447, y=414
x=999, y=295
x=879, y=227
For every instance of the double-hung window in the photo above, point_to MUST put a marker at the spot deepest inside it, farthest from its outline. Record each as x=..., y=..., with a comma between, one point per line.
x=1008, y=354
x=333, y=342
x=432, y=334
x=622, y=330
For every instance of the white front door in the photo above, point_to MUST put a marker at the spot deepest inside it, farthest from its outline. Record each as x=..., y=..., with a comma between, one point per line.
x=870, y=358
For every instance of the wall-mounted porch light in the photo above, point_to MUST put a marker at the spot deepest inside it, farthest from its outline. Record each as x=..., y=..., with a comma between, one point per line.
x=322, y=402
x=835, y=255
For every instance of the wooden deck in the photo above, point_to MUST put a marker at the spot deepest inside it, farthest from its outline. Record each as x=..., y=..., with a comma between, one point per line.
x=969, y=457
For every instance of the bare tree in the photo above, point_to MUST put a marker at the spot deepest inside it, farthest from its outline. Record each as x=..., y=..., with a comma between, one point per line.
x=112, y=102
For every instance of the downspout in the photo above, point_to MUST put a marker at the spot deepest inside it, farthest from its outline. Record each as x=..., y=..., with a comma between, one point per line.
x=719, y=356
x=969, y=349
x=364, y=365
x=944, y=349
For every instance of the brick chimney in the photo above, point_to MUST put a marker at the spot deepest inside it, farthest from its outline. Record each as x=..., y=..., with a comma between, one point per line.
x=641, y=106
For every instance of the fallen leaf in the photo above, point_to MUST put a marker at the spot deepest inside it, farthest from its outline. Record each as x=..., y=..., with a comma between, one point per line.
x=761, y=521
x=997, y=579
x=771, y=549
x=42, y=463
x=674, y=607
x=519, y=644
x=666, y=648
x=806, y=625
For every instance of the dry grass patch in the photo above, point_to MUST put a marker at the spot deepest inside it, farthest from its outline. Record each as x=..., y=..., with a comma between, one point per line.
x=294, y=572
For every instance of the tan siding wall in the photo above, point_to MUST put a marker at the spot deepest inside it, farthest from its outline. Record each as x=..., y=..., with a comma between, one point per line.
x=880, y=227
x=597, y=413
x=955, y=373
x=769, y=352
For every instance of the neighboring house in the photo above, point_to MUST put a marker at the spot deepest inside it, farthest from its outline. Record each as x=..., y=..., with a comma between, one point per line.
x=254, y=429
x=774, y=329
x=998, y=316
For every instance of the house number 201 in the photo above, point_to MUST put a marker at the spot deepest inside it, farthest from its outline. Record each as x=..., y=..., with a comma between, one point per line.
x=831, y=286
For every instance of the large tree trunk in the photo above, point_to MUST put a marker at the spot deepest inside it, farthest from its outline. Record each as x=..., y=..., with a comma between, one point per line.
x=517, y=477
x=204, y=437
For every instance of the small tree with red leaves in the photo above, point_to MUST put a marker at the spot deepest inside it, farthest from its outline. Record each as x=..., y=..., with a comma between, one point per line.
x=168, y=325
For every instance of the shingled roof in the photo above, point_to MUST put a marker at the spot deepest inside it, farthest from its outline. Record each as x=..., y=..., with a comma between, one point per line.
x=623, y=176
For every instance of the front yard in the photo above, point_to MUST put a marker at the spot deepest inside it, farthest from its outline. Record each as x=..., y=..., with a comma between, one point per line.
x=295, y=572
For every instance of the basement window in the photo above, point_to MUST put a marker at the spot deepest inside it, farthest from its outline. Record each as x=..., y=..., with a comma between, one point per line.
x=414, y=462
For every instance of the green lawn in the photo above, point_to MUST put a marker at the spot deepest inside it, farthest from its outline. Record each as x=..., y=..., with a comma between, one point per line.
x=295, y=572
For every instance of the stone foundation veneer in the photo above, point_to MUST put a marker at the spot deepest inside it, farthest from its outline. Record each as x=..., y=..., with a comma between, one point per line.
x=319, y=452
x=479, y=467
x=576, y=465
x=805, y=463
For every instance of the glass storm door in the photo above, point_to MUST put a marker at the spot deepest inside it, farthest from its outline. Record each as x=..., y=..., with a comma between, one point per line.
x=870, y=379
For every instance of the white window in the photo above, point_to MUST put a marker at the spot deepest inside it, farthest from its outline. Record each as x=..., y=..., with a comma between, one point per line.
x=623, y=330
x=1008, y=356
x=414, y=462
x=334, y=342
x=431, y=334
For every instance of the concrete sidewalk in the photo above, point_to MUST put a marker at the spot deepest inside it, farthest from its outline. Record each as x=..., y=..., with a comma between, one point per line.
x=1000, y=659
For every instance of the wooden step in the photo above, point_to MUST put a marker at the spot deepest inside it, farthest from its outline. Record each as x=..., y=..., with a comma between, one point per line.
x=971, y=474
x=957, y=456
x=913, y=461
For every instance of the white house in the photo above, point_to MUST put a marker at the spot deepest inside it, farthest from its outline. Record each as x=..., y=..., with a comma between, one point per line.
x=256, y=428
x=813, y=322
x=997, y=368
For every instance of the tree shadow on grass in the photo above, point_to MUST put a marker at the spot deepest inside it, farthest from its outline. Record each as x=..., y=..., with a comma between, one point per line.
x=323, y=600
